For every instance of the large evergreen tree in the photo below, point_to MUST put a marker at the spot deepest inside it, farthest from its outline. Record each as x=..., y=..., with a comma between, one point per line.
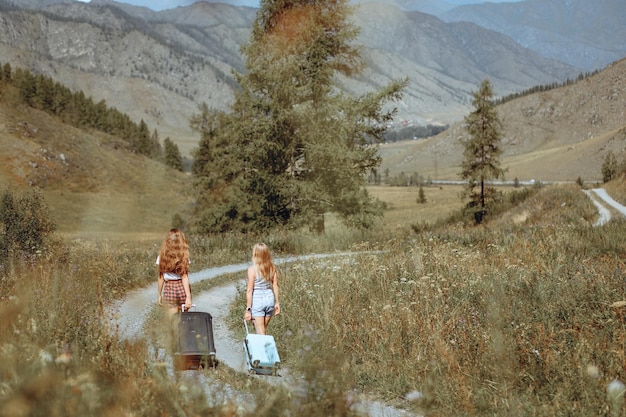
x=294, y=145
x=482, y=150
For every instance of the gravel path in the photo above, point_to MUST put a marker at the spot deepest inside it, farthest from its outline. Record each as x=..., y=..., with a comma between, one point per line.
x=129, y=315
x=604, y=213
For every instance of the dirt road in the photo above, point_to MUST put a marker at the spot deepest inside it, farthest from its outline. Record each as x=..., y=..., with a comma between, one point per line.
x=130, y=314
x=605, y=198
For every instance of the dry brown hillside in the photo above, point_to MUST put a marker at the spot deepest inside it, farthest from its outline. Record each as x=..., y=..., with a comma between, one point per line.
x=557, y=135
x=91, y=183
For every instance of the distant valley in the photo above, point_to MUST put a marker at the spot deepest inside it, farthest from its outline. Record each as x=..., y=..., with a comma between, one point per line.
x=558, y=135
x=160, y=67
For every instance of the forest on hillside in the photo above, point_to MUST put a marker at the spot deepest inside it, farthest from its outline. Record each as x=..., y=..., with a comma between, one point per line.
x=76, y=109
x=414, y=132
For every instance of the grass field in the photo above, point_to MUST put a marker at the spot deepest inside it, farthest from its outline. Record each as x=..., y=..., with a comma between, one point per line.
x=403, y=208
x=522, y=315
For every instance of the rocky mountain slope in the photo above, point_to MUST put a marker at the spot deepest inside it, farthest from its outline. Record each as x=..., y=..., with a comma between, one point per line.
x=159, y=66
x=582, y=33
x=556, y=135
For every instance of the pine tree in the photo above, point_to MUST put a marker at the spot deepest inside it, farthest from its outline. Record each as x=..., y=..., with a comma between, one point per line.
x=421, y=197
x=173, y=157
x=156, y=151
x=609, y=167
x=482, y=150
x=141, y=139
x=7, y=71
x=296, y=145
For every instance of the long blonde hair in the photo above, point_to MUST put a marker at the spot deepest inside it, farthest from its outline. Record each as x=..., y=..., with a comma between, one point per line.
x=174, y=253
x=263, y=260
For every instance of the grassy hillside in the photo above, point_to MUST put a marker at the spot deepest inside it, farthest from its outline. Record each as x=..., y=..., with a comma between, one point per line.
x=96, y=188
x=91, y=182
x=556, y=135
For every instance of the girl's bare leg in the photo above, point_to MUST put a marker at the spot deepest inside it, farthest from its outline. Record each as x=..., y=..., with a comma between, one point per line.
x=259, y=325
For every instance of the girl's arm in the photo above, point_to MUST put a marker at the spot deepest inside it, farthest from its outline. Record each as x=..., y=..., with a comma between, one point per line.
x=161, y=282
x=276, y=294
x=187, y=287
x=249, y=288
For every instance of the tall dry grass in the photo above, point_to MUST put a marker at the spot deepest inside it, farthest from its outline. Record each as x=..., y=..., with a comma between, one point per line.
x=521, y=317
x=59, y=356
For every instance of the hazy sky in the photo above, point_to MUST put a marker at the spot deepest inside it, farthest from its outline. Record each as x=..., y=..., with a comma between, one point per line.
x=171, y=4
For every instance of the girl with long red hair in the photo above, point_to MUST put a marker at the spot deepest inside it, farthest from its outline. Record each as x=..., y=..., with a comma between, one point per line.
x=173, y=262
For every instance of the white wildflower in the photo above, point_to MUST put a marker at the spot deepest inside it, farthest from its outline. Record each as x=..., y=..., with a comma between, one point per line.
x=413, y=396
x=615, y=390
x=615, y=396
x=593, y=371
x=45, y=357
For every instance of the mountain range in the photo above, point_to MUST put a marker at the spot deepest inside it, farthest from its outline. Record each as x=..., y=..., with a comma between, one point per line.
x=582, y=33
x=160, y=66
x=585, y=34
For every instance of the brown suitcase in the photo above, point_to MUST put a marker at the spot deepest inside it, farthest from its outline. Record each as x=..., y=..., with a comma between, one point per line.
x=195, y=343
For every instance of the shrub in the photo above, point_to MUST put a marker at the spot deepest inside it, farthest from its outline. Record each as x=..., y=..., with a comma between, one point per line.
x=24, y=224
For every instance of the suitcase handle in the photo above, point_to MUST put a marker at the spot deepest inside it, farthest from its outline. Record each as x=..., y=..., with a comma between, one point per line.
x=245, y=323
x=182, y=308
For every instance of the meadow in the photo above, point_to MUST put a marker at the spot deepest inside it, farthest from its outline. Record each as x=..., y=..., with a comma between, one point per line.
x=523, y=315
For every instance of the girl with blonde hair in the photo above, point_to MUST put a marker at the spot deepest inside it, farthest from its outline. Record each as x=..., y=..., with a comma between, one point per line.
x=262, y=301
x=173, y=262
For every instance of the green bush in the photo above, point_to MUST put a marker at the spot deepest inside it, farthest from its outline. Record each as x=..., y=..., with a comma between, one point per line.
x=25, y=225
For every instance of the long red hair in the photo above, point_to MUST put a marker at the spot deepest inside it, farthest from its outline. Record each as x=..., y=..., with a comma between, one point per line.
x=174, y=253
x=262, y=258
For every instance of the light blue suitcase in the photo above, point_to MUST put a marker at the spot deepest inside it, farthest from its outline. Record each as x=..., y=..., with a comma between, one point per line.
x=261, y=353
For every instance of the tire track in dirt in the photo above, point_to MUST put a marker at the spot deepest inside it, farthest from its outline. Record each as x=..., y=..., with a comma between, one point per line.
x=603, y=212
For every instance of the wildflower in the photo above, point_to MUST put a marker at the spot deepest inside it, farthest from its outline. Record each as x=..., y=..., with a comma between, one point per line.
x=64, y=358
x=615, y=396
x=615, y=390
x=45, y=357
x=413, y=396
x=593, y=371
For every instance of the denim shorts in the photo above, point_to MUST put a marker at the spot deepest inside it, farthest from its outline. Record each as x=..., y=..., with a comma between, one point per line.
x=262, y=303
